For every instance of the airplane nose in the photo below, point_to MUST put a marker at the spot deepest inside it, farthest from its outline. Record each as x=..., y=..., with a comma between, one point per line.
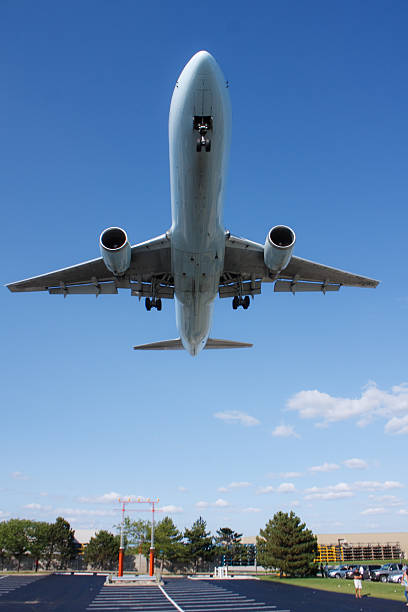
x=203, y=64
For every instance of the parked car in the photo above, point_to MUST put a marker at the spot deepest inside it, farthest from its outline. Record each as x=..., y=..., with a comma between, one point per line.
x=338, y=572
x=367, y=569
x=395, y=576
x=384, y=571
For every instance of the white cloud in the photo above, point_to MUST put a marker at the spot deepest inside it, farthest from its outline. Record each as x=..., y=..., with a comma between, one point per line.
x=171, y=509
x=106, y=498
x=268, y=489
x=397, y=425
x=373, y=511
x=338, y=491
x=285, y=431
x=219, y=503
x=4, y=514
x=109, y=498
x=325, y=467
x=84, y=512
x=251, y=509
x=236, y=416
x=34, y=506
x=182, y=489
x=222, y=503
x=373, y=403
x=386, y=500
x=290, y=474
x=343, y=489
x=19, y=476
x=234, y=485
x=373, y=485
x=286, y=487
x=355, y=464
x=403, y=511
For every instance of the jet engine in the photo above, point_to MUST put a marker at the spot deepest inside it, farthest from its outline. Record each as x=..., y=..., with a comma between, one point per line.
x=115, y=250
x=278, y=248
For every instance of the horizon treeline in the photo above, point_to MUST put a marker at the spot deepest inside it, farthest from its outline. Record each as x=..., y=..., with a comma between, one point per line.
x=53, y=545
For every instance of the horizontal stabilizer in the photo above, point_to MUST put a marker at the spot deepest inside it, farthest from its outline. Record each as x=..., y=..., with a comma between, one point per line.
x=215, y=343
x=176, y=345
x=163, y=345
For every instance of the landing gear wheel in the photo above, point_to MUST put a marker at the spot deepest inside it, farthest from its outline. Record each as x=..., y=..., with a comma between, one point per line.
x=235, y=303
x=158, y=304
x=148, y=304
x=208, y=145
x=199, y=145
x=246, y=302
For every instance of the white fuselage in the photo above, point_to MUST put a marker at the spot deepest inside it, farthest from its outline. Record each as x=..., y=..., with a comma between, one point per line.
x=197, y=180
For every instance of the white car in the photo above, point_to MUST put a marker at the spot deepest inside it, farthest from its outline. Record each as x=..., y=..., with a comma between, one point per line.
x=395, y=577
x=338, y=572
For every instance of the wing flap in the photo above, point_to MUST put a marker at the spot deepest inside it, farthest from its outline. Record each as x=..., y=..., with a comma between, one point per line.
x=150, y=258
x=244, y=261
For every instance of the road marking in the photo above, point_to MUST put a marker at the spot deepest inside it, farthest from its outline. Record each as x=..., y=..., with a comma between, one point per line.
x=170, y=599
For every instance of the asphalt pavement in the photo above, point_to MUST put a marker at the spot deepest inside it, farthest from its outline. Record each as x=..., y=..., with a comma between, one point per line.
x=58, y=593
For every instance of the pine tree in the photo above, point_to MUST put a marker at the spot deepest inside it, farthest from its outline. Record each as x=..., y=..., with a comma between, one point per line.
x=168, y=542
x=287, y=545
x=199, y=543
x=229, y=545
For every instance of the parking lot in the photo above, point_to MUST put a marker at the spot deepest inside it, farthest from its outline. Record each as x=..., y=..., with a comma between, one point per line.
x=88, y=593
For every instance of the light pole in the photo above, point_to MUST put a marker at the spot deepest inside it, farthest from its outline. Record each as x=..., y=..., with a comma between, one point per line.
x=151, y=556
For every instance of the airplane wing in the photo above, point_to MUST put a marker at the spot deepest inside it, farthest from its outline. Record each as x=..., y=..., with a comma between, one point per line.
x=245, y=271
x=150, y=268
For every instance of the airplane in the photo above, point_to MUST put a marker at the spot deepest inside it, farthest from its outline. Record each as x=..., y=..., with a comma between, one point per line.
x=196, y=259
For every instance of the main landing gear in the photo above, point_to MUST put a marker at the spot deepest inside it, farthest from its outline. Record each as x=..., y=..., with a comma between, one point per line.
x=153, y=303
x=240, y=301
x=202, y=125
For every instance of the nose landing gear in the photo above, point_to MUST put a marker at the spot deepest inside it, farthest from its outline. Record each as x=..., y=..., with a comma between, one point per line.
x=238, y=301
x=153, y=303
x=202, y=125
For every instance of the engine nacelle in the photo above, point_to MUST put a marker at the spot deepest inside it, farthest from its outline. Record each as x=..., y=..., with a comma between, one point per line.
x=278, y=248
x=115, y=250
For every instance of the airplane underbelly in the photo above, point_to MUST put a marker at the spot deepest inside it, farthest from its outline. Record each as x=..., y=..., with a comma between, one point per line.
x=199, y=129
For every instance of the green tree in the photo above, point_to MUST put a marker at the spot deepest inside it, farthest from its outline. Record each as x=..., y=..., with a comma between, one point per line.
x=136, y=534
x=168, y=542
x=229, y=545
x=38, y=535
x=62, y=541
x=16, y=539
x=199, y=543
x=287, y=545
x=3, y=543
x=102, y=550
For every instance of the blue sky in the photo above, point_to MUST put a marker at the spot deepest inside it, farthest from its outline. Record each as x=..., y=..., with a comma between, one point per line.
x=314, y=418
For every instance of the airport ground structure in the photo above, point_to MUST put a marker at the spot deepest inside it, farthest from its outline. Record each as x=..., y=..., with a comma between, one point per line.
x=333, y=548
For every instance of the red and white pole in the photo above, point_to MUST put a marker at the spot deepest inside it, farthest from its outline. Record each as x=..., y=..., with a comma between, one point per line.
x=122, y=544
x=151, y=556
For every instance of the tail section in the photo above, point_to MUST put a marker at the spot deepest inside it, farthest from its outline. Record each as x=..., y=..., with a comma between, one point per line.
x=215, y=343
x=176, y=345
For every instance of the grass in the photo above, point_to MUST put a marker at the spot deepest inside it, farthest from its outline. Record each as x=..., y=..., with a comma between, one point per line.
x=387, y=590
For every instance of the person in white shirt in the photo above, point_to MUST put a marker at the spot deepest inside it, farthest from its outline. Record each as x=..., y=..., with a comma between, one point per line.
x=358, y=576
